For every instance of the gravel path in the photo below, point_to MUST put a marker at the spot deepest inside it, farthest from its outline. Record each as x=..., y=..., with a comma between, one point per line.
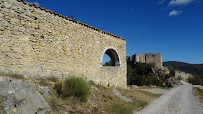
x=155, y=90
x=179, y=100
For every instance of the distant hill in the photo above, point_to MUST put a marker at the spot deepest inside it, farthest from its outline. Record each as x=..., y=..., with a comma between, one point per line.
x=186, y=67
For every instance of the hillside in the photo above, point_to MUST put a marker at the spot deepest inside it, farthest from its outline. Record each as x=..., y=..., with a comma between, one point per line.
x=186, y=67
x=24, y=95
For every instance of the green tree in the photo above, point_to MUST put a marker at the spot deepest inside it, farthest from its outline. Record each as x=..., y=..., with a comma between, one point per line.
x=142, y=74
x=108, y=63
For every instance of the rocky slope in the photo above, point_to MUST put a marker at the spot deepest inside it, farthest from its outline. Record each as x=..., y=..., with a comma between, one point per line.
x=21, y=97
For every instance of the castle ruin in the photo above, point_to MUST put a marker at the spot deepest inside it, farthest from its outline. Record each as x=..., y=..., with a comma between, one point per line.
x=37, y=42
x=147, y=58
x=182, y=75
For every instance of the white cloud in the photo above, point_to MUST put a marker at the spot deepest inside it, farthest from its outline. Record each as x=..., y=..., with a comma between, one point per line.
x=180, y=2
x=175, y=12
x=36, y=3
x=161, y=1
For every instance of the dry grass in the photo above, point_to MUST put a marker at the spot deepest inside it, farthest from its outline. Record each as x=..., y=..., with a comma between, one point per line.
x=12, y=75
x=140, y=98
x=102, y=100
x=199, y=93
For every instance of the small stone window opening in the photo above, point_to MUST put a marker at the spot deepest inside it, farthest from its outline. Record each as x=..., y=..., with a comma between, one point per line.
x=110, y=58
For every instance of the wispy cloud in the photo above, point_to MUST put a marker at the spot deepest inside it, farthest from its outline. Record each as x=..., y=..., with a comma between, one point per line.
x=180, y=2
x=161, y=1
x=36, y=3
x=175, y=12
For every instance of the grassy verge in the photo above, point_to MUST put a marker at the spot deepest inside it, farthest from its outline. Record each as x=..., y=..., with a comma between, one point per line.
x=100, y=100
x=140, y=100
x=199, y=93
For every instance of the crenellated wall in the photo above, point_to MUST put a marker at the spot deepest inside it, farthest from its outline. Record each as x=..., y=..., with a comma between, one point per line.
x=37, y=42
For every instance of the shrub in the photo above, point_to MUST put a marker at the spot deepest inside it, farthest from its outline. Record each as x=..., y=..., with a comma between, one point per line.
x=142, y=75
x=73, y=86
x=58, y=88
x=196, y=80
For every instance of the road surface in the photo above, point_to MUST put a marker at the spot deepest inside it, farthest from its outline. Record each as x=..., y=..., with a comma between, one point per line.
x=179, y=100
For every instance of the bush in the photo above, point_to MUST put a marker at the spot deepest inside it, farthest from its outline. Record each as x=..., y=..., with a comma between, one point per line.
x=196, y=79
x=142, y=75
x=73, y=86
x=58, y=88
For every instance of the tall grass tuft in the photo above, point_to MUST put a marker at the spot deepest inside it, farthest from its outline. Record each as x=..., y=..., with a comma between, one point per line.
x=73, y=86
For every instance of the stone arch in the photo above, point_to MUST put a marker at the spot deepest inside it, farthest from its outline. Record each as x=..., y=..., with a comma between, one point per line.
x=113, y=54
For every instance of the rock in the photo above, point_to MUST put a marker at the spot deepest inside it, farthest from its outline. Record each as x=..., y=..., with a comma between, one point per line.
x=21, y=97
x=122, y=97
x=45, y=91
x=135, y=86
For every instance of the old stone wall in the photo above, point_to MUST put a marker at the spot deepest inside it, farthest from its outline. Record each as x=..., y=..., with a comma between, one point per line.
x=142, y=58
x=147, y=58
x=36, y=42
x=182, y=75
x=155, y=59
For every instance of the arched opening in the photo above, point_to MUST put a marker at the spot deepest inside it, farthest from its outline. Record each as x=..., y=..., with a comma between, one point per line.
x=110, y=58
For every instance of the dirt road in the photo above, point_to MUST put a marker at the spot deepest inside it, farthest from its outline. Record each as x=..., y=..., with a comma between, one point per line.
x=179, y=100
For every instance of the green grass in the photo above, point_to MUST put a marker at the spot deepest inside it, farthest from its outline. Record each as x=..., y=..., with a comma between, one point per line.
x=117, y=106
x=73, y=86
x=125, y=108
x=199, y=92
x=142, y=104
x=150, y=94
x=118, y=109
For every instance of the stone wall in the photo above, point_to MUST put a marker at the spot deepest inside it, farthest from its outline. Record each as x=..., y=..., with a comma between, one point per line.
x=37, y=42
x=147, y=58
x=182, y=75
x=155, y=59
x=142, y=58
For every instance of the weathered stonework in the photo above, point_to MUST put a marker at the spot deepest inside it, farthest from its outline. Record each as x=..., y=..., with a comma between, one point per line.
x=147, y=58
x=182, y=75
x=155, y=59
x=142, y=58
x=36, y=42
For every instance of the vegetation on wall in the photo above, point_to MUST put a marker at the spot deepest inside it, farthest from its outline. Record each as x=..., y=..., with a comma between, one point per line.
x=141, y=74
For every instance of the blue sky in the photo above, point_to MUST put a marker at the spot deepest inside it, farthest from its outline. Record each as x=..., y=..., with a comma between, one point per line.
x=173, y=28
